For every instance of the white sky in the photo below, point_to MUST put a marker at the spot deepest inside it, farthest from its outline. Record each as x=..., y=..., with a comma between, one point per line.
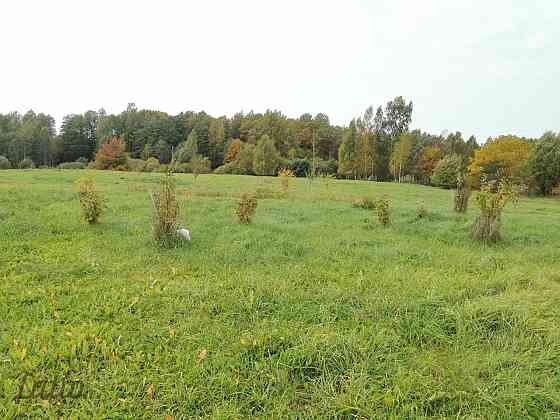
x=480, y=67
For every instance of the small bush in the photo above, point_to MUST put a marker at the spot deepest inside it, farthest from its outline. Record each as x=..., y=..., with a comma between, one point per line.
x=231, y=168
x=152, y=165
x=285, y=175
x=72, y=165
x=462, y=195
x=327, y=167
x=182, y=168
x=364, y=203
x=91, y=202
x=5, y=163
x=246, y=208
x=492, y=199
x=26, y=164
x=136, y=165
x=165, y=212
x=300, y=167
x=422, y=212
x=383, y=211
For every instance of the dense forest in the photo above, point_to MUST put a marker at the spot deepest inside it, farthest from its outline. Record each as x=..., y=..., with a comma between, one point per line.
x=377, y=145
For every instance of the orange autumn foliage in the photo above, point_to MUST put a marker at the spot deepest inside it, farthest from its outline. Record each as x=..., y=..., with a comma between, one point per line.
x=111, y=155
x=233, y=150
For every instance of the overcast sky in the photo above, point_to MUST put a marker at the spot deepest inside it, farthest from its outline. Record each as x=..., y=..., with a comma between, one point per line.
x=480, y=67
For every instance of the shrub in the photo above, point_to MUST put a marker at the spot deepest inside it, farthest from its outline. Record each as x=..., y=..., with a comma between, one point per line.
x=181, y=168
x=285, y=175
x=446, y=171
x=231, y=168
x=111, y=155
x=152, y=165
x=462, y=195
x=327, y=167
x=364, y=203
x=246, y=208
x=26, y=164
x=5, y=163
x=300, y=167
x=72, y=165
x=422, y=212
x=136, y=165
x=91, y=202
x=492, y=199
x=82, y=160
x=165, y=212
x=383, y=211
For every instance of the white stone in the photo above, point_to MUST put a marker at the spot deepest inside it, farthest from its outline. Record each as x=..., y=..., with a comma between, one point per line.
x=185, y=234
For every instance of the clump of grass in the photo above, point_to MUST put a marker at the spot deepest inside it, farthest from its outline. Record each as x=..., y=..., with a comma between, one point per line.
x=492, y=199
x=422, y=212
x=91, y=202
x=165, y=212
x=383, y=211
x=462, y=195
x=285, y=176
x=364, y=203
x=246, y=208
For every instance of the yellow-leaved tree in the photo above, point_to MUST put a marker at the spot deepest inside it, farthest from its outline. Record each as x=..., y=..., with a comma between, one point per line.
x=502, y=157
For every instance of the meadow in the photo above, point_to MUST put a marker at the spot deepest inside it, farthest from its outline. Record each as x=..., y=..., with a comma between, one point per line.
x=313, y=310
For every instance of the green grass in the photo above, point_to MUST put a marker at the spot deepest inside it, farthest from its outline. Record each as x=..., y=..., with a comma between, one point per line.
x=313, y=310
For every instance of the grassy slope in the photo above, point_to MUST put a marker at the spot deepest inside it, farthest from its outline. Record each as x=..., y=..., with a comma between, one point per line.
x=309, y=311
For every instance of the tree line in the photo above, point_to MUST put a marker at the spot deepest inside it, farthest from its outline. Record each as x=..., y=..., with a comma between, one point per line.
x=377, y=145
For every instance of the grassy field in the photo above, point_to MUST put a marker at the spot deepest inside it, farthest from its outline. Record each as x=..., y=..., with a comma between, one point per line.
x=313, y=310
